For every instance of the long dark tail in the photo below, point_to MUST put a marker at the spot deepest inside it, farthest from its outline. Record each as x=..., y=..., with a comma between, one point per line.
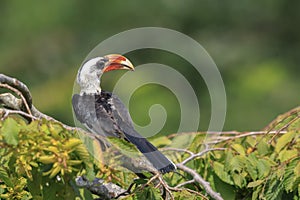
x=157, y=159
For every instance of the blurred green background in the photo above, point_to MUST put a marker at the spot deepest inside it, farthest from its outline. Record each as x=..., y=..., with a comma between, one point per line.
x=255, y=45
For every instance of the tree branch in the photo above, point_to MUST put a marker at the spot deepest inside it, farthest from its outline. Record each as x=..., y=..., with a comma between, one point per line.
x=201, y=153
x=14, y=83
x=104, y=190
x=200, y=180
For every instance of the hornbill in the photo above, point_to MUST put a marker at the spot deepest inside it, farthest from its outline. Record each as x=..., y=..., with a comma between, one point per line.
x=103, y=113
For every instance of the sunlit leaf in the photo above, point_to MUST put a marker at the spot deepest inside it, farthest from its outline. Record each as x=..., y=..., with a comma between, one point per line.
x=237, y=163
x=5, y=177
x=283, y=140
x=161, y=141
x=10, y=130
x=287, y=154
x=290, y=178
x=251, y=141
x=251, y=166
x=183, y=140
x=239, y=148
x=149, y=193
x=297, y=170
x=263, y=147
x=263, y=168
x=255, y=183
x=219, y=170
x=195, y=145
x=122, y=145
x=238, y=179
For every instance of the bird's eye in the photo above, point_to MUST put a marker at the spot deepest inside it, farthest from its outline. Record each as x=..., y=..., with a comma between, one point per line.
x=101, y=63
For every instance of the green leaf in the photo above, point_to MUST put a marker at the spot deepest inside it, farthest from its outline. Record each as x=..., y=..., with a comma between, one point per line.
x=283, y=140
x=183, y=140
x=219, y=170
x=5, y=178
x=263, y=168
x=140, y=181
x=197, y=139
x=10, y=130
x=297, y=170
x=287, y=154
x=290, y=178
x=34, y=186
x=86, y=194
x=256, y=192
x=263, y=147
x=255, y=183
x=251, y=141
x=251, y=166
x=299, y=189
x=161, y=141
x=237, y=163
x=186, y=195
x=228, y=157
x=125, y=147
x=149, y=193
x=239, y=148
x=55, y=129
x=227, y=191
x=239, y=179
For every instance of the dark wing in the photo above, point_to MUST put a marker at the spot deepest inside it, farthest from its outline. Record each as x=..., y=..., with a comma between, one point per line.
x=105, y=114
x=125, y=125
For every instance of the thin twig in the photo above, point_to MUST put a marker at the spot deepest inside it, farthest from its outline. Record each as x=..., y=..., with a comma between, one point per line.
x=200, y=180
x=281, y=118
x=282, y=128
x=185, y=183
x=19, y=94
x=166, y=187
x=189, y=190
x=241, y=135
x=9, y=112
x=17, y=85
x=201, y=153
x=176, y=149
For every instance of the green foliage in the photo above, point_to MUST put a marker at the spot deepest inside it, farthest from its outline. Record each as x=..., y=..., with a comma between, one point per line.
x=257, y=166
x=148, y=193
x=265, y=169
x=40, y=160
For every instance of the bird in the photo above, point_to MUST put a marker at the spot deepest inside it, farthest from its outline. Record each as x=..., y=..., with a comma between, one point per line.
x=103, y=113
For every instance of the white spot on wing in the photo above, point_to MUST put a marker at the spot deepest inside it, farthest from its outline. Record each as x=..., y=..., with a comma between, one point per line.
x=111, y=104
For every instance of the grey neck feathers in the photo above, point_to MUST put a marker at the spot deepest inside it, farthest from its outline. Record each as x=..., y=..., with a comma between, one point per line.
x=88, y=78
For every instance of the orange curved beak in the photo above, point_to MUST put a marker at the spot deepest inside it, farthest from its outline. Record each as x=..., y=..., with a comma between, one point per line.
x=116, y=61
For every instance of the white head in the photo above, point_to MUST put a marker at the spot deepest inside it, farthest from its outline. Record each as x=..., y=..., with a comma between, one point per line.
x=88, y=76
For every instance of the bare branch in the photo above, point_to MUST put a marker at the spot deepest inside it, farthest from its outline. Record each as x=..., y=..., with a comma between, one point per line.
x=14, y=83
x=201, y=153
x=284, y=127
x=185, y=183
x=5, y=112
x=221, y=138
x=200, y=180
x=18, y=93
x=176, y=149
x=282, y=117
x=100, y=188
x=10, y=101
